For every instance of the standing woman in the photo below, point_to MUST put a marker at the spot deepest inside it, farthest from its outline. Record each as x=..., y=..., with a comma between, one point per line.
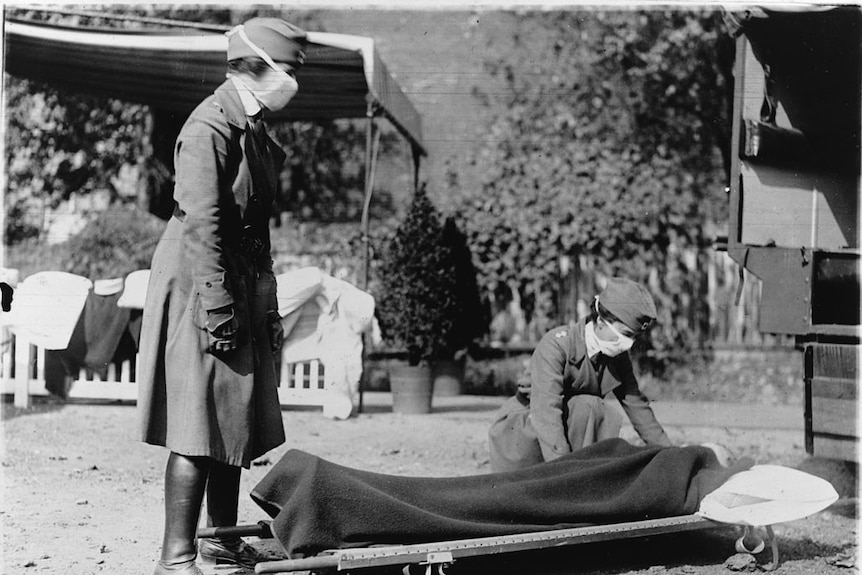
x=206, y=374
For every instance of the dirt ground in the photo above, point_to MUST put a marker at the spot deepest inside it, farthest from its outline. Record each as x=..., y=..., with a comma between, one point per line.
x=81, y=495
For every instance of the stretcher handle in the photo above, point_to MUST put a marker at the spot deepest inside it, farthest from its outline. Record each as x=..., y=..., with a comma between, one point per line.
x=260, y=529
x=291, y=565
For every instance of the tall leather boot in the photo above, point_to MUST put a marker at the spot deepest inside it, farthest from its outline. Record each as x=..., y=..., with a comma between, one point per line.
x=222, y=503
x=185, y=483
x=222, y=495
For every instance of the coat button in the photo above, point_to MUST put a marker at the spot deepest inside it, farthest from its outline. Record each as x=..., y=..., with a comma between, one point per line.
x=208, y=284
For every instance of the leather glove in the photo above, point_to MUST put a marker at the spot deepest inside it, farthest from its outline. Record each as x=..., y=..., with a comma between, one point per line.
x=276, y=331
x=222, y=330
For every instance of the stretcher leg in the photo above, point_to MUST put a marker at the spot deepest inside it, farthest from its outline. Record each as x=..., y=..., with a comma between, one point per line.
x=319, y=562
x=772, y=540
x=752, y=543
x=260, y=529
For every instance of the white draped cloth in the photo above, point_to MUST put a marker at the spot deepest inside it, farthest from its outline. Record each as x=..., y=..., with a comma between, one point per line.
x=47, y=307
x=324, y=319
x=135, y=290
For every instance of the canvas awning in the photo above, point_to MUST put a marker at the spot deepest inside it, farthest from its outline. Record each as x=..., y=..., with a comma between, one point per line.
x=175, y=68
x=177, y=64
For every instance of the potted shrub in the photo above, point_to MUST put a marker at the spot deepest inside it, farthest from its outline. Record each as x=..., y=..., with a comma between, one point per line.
x=416, y=303
x=470, y=317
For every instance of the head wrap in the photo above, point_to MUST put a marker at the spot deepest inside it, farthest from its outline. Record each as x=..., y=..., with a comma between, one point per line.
x=281, y=41
x=630, y=302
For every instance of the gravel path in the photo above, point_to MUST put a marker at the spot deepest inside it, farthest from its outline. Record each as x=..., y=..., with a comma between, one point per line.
x=81, y=495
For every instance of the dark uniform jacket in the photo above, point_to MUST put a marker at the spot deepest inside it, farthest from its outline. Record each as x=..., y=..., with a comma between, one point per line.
x=560, y=369
x=214, y=252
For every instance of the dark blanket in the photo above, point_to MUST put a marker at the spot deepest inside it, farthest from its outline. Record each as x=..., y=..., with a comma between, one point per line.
x=317, y=505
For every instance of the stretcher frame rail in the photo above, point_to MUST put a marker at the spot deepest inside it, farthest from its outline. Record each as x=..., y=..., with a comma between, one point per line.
x=444, y=552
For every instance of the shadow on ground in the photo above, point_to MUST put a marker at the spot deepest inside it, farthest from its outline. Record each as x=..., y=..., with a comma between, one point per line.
x=843, y=475
x=608, y=557
x=710, y=548
x=38, y=406
x=465, y=408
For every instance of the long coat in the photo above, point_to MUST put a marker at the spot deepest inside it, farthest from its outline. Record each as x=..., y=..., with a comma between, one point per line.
x=193, y=402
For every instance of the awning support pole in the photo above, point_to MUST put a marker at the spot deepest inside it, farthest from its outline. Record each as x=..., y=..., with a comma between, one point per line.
x=417, y=160
x=366, y=207
x=369, y=133
x=370, y=165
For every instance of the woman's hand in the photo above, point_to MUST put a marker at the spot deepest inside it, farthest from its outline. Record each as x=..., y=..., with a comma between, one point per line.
x=222, y=330
x=724, y=456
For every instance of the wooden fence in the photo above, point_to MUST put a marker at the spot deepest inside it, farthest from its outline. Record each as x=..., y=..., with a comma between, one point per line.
x=22, y=374
x=721, y=308
x=702, y=293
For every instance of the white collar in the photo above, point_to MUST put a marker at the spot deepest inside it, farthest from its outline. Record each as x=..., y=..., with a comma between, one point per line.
x=249, y=102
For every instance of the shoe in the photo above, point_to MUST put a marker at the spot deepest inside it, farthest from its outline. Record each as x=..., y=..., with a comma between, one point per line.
x=236, y=552
x=188, y=568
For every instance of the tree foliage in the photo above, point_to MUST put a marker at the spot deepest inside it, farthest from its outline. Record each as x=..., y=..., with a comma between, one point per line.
x=113, y=244
x=610, y=148
x=58, y=146
x=324, y=179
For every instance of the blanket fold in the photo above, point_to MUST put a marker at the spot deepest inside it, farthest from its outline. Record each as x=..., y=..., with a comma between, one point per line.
x=318, y=505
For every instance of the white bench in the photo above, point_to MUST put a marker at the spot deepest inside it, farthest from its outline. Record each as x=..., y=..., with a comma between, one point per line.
x=300, y=384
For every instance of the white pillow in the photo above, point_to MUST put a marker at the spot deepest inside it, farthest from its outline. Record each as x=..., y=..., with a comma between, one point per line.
x=767, y=494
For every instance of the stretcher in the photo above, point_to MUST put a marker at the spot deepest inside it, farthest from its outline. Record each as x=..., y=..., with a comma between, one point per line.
x=322, y=511
x=436, y=556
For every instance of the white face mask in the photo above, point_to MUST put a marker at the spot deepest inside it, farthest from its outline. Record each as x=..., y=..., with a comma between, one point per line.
x=612, y=348
x=276, y=88
x=591, y=340
x=280, y=89
x=617, y=347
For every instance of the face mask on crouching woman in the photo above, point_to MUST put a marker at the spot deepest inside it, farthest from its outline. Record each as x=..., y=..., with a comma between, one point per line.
x=606, y=334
